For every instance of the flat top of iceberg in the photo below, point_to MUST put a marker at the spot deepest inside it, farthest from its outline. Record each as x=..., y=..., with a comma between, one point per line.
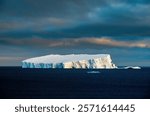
x=65, y=58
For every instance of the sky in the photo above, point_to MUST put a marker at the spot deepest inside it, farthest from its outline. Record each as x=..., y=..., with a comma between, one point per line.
x=30, y=28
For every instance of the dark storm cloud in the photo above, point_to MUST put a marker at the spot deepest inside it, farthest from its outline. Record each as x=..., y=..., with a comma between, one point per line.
x=78, y=42
x=117, y=27
x=57, y=8
x=31, y=14
x=122, y=13
x=91, y=30
x=74, y=18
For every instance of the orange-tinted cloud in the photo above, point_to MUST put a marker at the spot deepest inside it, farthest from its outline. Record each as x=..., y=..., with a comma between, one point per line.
x=117, y=43
x=84, y=42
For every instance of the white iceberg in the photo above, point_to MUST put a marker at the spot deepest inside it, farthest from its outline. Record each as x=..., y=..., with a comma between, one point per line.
x=84, y=61
x=132, y=67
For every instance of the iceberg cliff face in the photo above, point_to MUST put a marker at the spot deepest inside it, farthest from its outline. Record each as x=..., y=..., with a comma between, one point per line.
x=84, y=61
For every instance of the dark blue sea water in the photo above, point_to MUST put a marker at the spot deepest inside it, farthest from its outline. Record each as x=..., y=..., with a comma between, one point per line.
x=16, y=82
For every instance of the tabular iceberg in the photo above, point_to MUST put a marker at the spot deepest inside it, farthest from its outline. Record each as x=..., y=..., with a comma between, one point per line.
x=84, y=61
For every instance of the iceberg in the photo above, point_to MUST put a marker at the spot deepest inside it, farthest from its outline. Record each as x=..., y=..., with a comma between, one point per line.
x=132, y=67
x=77, y=61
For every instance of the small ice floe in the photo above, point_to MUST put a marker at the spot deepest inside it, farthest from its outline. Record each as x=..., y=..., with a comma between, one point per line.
x=93, y=72
x=132, y=67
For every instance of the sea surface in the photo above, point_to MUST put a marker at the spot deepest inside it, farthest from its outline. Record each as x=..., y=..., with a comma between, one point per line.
x=18, y=83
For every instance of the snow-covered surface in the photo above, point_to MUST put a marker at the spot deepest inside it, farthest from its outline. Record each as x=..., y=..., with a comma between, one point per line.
x=70, y=61
x=132, y=67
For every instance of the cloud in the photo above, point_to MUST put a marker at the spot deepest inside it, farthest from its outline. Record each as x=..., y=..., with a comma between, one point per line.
x=51, y=13
x=77, y=42
x=115, y=43
x=44, y=8
x=11, y=61
x=121, y=13
x=43, y=23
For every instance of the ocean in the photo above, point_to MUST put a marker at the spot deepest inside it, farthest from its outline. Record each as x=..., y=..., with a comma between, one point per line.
x=19, y=83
